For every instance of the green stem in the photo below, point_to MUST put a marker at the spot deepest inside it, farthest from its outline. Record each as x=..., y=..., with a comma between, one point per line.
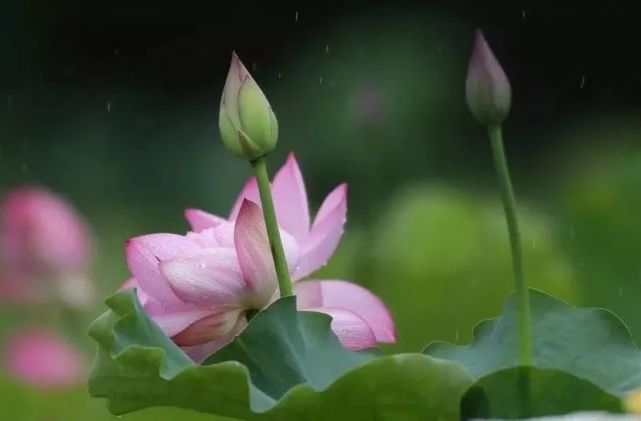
x=275, y=243
x=509, y=206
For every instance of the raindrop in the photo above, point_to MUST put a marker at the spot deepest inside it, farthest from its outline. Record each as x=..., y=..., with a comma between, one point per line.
x=582, y=82
x=326, y=48
x=320, y=80
x=24, y=167
x=108, y=106
x=572, y=234
x=296, y=17
x=523, y=14
x=280, y=76
x=253, y=66
x=621, y=290
x=457, y=335
x=116, y=51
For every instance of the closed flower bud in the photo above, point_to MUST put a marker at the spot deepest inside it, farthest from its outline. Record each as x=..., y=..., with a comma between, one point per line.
x=247, y=123
x=487, y=89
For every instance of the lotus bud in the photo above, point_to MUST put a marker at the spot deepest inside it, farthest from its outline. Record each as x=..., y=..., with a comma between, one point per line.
x=247, y=123
x=487, y=89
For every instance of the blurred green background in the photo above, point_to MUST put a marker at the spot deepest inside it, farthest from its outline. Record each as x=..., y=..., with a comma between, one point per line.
x=115, y=108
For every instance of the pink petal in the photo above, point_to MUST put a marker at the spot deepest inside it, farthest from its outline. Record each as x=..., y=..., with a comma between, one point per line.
x=206, y=238
x=249, y=192
x=211, y=278
x=349, y=296
x=209, y=328
x=352, y=331
x=200, y=220
x=254, y=254
x=171, y=320
x=199, y=353
x=225, y=234
x=172, y=323
x=252, y=245
x=129, y=283
x=325, y=234
x=44, y=359
x=146, y=252
x=290, y=199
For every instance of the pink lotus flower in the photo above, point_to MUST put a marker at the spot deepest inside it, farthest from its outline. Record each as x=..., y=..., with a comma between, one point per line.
x=41, y=358
x=199, y=287
x=45, y=247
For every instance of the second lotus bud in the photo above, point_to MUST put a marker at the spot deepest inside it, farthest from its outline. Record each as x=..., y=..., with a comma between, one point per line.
x=248, y=126
x=487, y=88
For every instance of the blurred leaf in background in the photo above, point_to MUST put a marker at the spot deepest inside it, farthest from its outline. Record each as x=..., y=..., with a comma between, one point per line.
x=600, y=205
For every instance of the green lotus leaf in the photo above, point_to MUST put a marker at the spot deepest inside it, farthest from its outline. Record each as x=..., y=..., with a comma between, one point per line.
x=524, y=392
x=590, y=343
x=286, y=365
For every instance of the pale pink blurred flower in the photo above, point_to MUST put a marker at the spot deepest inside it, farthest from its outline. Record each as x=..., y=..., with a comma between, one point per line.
x=44, y=246
x=199, y=287
x=42, y=358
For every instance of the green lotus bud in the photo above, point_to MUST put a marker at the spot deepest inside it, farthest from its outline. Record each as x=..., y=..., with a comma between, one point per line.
x=487, y=89
x=247, y=123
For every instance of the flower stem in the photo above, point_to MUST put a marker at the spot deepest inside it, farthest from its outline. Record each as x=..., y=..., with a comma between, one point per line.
x=509, y=206
x=273, y=233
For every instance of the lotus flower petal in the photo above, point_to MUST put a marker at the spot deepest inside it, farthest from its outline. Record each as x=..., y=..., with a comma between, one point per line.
x=325, y=233
x=352, y=331
x=249, y=192
x=146, y=252
x=210, y=278
x=348, y=296
x=290, y=200
x=254, y=253
x=201, y=220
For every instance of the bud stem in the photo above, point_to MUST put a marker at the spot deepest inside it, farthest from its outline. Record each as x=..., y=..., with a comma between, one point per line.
x=509, y=206
x=273, y=233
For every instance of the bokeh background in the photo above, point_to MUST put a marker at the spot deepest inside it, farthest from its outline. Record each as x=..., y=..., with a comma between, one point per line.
x=114, y=106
